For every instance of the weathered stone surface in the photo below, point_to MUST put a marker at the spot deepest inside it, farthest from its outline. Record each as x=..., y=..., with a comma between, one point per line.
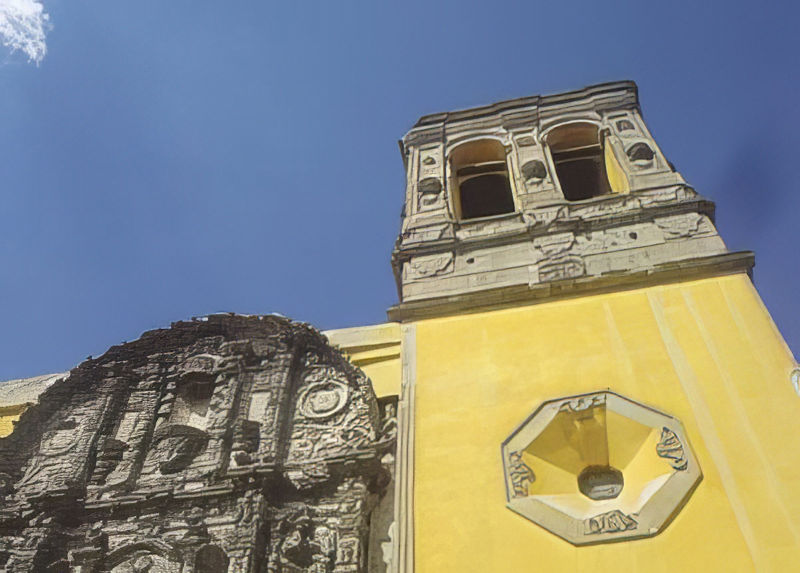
x=228, y=443
x=645, y=224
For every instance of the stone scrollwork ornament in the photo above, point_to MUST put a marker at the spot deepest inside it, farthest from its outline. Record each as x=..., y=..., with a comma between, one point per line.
x=670, y=448
x=521, y=474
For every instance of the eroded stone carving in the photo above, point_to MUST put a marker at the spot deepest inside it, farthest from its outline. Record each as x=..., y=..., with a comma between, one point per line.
x=175, y=446
x=678, y=226
x=428, y=266
x=323, y=399
x=562, y=268
x=229, y=443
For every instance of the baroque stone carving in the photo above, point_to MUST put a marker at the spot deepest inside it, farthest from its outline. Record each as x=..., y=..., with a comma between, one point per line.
x=323, y=399
x=670, y=448
x=226, y=443
x=610, y=522
x=521, y=475
x=677, y=226
x=563, y=268
x=582, y=403
x=428, y=266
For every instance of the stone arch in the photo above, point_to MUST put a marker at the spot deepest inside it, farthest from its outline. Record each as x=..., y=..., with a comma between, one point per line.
x=151, y=556
x=480, y=179
x=577, y=156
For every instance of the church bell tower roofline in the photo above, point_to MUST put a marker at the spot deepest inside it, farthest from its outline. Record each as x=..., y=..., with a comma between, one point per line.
x=620, y=94
x=542, y=197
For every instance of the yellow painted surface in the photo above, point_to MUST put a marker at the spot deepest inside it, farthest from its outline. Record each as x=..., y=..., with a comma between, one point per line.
x=376, y=350
x=617, y=179
x=9, y=415
x=705, y=352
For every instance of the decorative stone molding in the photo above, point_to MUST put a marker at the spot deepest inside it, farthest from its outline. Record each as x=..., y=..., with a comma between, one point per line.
x=599, y=467
x=428, y=266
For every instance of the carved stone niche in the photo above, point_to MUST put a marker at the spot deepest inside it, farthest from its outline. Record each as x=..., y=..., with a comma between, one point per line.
x=598, y=468
x=177, y=445
x=430, y=194
x=641, y=155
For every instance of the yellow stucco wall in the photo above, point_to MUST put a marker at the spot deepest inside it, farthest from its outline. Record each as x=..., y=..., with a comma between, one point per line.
x=705, y=352
x=376, y=350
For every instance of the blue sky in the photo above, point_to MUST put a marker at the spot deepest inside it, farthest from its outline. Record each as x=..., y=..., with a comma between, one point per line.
x=173, y=159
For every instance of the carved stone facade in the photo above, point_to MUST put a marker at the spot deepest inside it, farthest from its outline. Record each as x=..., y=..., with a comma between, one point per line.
x=230, y=443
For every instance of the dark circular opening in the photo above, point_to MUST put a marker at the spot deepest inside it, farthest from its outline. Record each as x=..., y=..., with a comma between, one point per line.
x=600, y=482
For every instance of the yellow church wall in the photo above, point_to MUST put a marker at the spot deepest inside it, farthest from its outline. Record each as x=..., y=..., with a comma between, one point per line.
x=705, y=352
x=376, y=350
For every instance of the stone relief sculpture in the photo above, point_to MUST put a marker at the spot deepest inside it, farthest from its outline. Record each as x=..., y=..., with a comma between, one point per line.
x=224, y=444
x=610, y=522
x=521, y=475
x=670, y=447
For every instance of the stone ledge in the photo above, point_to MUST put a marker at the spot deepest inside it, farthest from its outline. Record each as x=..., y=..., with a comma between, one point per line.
x=498, y=298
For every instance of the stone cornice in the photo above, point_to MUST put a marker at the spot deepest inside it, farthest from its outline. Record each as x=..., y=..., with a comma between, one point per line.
x=515, y=295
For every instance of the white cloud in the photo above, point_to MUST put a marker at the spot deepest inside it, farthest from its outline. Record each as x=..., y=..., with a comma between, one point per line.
x=23, y=26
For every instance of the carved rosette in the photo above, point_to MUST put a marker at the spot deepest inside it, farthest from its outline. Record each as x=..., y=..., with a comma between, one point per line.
x=597, y=437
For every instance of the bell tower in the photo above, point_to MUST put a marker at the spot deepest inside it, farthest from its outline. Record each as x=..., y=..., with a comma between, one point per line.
x=544, y=197
x=590, y=381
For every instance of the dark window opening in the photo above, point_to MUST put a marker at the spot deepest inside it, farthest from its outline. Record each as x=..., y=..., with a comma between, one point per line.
x=579, y=161
x=486, y=195
x=481, y=177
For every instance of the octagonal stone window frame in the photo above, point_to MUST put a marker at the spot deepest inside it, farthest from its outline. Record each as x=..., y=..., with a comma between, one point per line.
x=652, y=436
